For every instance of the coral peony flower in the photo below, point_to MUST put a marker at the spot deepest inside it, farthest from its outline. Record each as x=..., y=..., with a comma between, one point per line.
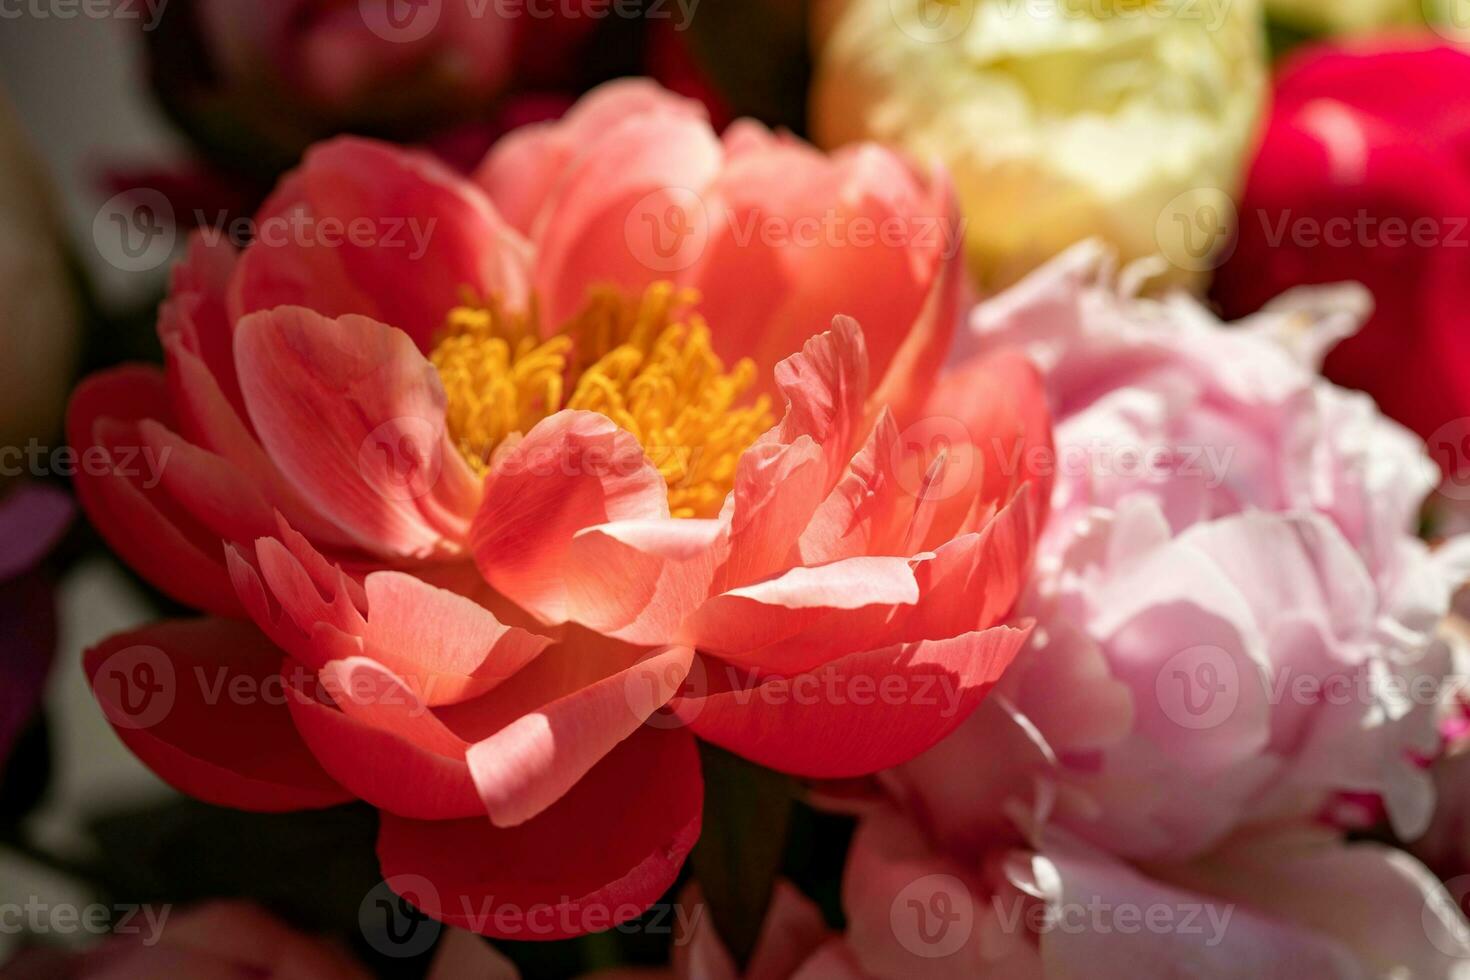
x=1235, y=625
x=500, y=493
x=1060, y=119
x=1361, y=177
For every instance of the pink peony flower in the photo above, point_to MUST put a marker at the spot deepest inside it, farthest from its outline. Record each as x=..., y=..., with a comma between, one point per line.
x=1277, y=906
x=1235, y=626
x=471, y=501
x=1231, y=566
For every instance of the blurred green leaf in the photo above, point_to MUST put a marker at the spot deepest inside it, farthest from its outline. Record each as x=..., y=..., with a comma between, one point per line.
x=747, y=811
x=312, y=868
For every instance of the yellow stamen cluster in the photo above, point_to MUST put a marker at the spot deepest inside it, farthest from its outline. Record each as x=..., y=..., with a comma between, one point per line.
x=646, y=363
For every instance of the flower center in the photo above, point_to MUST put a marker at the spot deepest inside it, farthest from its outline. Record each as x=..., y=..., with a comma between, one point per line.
x=645, y=362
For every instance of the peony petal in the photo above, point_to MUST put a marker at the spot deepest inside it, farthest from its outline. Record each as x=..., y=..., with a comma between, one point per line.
x=194, y=319
x=573, y=471
x=199, y=703
x=870, y=510
x=390, y=747
x=856, y=234
x=638, y=581
x=973, y=581
x=854, y=716
x=989, y=416
x=783, y=478
x=1375, y=901
x=627, y=211
x=550, y=878
x=303, y=598
x=527, y=165
x=826, y=389
x=1255, y=945
x=207, y=420
x=451, y=647
x=372, y=229
x=354, y=415
x=536, y=759
x=384, y=744
x=211, y=489
x=140, y=522
x=894, y=882
x=805, y=617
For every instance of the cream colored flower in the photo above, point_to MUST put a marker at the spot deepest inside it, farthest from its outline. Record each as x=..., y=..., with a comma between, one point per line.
x=1060, y=119
x=38, y=317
